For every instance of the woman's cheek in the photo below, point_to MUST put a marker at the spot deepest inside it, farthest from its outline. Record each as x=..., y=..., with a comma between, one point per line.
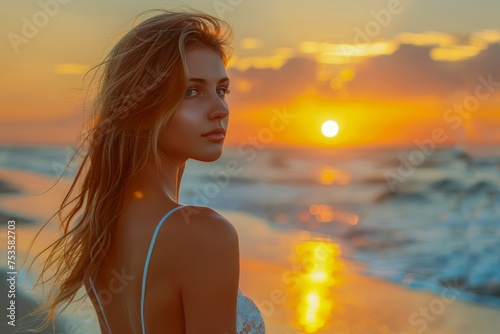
x=189, y=116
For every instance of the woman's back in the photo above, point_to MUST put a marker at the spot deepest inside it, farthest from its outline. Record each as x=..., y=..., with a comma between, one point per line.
x=119, y=283
x=176, y=251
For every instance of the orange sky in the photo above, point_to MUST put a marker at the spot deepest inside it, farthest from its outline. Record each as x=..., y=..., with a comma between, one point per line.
x=386, y=83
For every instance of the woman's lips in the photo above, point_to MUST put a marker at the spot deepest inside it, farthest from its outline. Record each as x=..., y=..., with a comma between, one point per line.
x=215, y=137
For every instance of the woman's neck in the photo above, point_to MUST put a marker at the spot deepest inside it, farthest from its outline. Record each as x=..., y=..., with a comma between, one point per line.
x=153, y=184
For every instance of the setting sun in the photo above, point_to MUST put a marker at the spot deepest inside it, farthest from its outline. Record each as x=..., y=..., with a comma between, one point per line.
x=330, y=128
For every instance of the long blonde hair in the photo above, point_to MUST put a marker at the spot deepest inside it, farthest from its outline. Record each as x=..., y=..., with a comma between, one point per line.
x=141, y=84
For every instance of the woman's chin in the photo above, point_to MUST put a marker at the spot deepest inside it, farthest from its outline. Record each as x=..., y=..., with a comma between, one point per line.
x=212, y=156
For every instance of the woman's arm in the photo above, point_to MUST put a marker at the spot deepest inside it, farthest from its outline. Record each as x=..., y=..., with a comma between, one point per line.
x=209, y=273
x=203, y=257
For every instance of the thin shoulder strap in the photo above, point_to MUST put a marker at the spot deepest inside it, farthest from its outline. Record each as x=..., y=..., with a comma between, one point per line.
x=146, y=264
x=100, y=305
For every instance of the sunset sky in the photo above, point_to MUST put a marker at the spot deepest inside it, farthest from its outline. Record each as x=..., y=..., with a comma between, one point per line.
x=390, y=73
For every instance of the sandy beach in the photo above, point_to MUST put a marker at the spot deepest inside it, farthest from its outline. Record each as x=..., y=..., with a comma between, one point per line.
x=300, y=282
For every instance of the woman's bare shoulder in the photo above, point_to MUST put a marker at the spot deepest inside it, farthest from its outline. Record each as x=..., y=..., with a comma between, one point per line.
x=205, y=218
x=201, y=236
x=200, y=227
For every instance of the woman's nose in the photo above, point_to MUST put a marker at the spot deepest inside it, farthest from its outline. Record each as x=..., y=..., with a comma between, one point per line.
x=219, y=108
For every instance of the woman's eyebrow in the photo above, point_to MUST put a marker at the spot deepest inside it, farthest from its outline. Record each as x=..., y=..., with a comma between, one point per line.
x=203, y=81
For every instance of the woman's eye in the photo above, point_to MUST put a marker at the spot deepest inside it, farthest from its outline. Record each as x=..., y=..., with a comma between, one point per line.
x=223, y=91
x=191, y=92
x=194, y=92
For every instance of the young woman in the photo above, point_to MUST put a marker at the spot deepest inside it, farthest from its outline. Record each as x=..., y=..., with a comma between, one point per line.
x=148, y=263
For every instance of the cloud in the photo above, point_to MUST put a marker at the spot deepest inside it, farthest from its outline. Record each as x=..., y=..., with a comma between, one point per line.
x=448, y=47
x=342, y=53
x=489, y=36
x=251, y=43
x=455, y=52
x=277, y=59
x=426, y=38
x=485, y=63
x=268, y=86
x=409, y=72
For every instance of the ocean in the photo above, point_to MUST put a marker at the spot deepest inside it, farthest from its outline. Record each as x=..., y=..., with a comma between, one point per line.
x=419, y=217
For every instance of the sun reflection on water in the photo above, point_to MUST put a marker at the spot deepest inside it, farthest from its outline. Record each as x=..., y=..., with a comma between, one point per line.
x=325, y=214
x=316, y=264
x=330, y=175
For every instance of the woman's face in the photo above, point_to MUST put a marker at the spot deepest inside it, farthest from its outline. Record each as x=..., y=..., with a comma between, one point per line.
x=203, y=109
